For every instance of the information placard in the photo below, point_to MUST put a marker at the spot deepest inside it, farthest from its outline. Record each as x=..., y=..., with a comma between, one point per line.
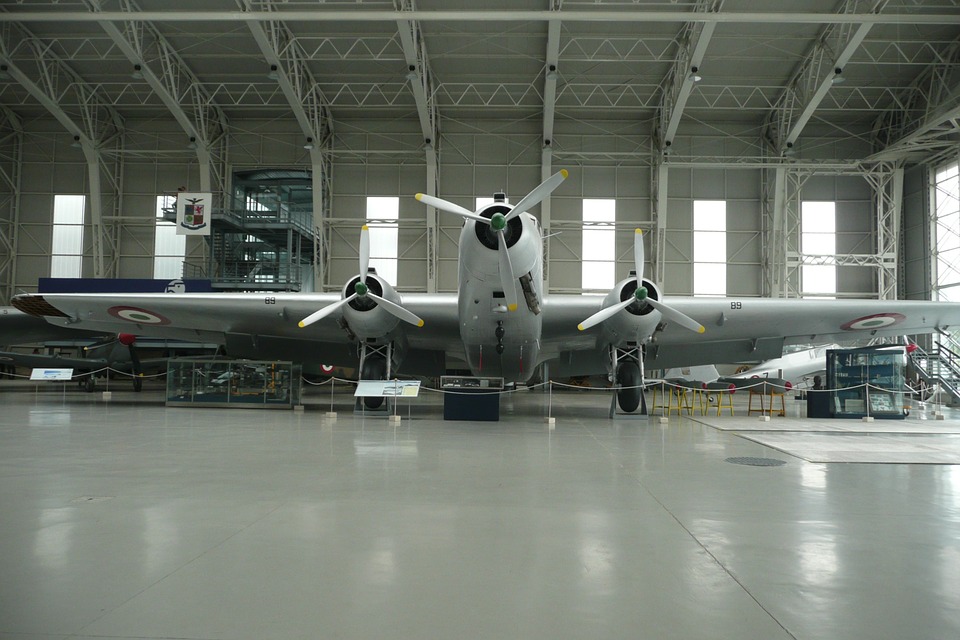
x=388, y=388
x=51, y=374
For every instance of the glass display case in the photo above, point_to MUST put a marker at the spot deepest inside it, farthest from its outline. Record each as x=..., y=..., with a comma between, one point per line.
x=866, y=382
x=232, y=383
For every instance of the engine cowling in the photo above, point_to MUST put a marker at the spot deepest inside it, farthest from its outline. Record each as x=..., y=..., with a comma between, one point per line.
x=638, y=321
x=367, y=319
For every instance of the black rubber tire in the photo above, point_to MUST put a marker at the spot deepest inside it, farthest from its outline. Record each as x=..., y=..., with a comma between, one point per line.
x=137, y=384
x=374, y=368
x=628, y=375
x=90, y=384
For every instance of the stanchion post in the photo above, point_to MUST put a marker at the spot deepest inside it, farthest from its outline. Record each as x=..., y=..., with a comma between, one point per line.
x=331, y=415
x=550, y=420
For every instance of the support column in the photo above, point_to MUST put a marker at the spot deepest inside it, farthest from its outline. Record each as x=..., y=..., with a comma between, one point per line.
x=658, y=202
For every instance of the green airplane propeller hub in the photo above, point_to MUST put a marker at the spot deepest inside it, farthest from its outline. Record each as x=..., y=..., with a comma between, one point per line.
x=498, y=222
x=360, y=288
x=640, y=293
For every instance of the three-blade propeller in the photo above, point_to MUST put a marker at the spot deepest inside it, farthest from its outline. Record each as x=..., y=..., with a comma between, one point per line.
x=361, y=290
x=498, y=223
x=640, y=294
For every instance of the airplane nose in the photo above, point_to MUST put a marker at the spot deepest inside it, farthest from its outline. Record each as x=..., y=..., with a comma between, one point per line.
x=126, y=339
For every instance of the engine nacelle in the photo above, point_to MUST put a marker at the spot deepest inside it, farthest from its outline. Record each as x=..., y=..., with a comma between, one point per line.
x=367, y=320
x=638, y=321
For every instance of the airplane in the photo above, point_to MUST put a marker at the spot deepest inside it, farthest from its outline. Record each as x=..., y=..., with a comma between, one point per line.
x=500, y=322
x=119, y=353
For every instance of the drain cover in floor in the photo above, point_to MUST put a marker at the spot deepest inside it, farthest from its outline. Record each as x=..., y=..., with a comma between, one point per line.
x=758, y=462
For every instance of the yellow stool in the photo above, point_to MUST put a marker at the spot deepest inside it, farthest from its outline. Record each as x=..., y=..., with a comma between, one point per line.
x=724, y=392
x=660, y=398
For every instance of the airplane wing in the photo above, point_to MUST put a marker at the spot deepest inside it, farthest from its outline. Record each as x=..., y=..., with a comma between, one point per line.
x=739, y=329
x=17, y=327
x=250, y=325
x=44, y=361
x=266, y=326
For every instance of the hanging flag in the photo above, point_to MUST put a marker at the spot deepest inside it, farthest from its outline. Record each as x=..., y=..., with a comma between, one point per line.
x=194, y=211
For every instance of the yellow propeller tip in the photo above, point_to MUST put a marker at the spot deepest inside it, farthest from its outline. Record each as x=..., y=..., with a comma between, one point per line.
x=701, y=329
x=420, y=324
x=364, y=228
x=419, y=196
x=564, y=173
x=301, y=325
x=580, y=327
x=639, y=232
x=511, y=307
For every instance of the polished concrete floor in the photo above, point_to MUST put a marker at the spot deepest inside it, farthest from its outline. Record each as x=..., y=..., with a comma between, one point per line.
x=127, y=519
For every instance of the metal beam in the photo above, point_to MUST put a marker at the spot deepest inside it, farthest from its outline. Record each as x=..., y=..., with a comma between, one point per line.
x=94, y=124
x=928, y=113
x=11, y=165
x=174, y=84
x=287, y=64
x=625, y=15
x=819, y=70
x=682, y=77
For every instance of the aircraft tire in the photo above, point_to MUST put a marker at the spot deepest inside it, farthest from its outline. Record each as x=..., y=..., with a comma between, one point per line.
x=90, y=384
x=628, y=375
x=374, y=368
x=137, y=384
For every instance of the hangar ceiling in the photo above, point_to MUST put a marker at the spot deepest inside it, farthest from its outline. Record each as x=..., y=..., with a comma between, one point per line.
x=882, y=71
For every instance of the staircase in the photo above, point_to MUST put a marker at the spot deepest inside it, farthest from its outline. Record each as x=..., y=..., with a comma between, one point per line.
x=939, y=367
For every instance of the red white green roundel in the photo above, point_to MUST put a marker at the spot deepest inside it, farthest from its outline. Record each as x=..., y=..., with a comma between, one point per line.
x=137, y=315
x=876, y=321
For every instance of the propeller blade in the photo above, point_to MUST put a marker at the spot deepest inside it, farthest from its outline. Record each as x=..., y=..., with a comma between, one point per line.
x=397, y=310
x=364, y=251
x=604, y=313
x=507, y=280
x=539, y=193
x=682, y=319
x=638, y=254
x=101, y=344
x=323, y=313
x=449, y=207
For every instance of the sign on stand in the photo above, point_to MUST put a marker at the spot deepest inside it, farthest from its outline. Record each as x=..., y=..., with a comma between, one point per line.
x=51, y=374
x=388, y=389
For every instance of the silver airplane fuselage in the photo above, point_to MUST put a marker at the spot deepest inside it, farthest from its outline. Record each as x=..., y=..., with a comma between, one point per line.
x=499, y=342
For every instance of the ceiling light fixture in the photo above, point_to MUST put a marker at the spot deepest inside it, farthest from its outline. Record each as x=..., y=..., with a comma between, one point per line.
x=4, y=72
x=272, y=74
x=76, y=142
x=837, y=77
x=694, y=76
x=137, y=72
x=309, y=144
x=192, y=144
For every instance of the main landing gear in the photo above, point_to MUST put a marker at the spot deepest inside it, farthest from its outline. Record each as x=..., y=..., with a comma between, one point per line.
x=627, y=365
x=375, y=365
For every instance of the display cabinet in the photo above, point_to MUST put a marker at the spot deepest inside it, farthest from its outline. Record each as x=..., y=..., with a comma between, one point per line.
x=232, y=383
x=866, y=382
x=471, y=398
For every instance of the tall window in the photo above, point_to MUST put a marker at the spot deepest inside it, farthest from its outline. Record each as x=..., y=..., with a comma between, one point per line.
x=66, y=259
x=598, y=271
x=168, y=248
x=382, y=216
x=947, y=202
x=709, y=248
x=818, y=237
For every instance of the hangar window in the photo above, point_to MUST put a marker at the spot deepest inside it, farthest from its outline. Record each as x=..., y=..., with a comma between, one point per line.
x=168, y=247
x=818, y=244
x=946, y=201
x=598, y=268
x=66, y=259
x=382, y=215
x=709, y=248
